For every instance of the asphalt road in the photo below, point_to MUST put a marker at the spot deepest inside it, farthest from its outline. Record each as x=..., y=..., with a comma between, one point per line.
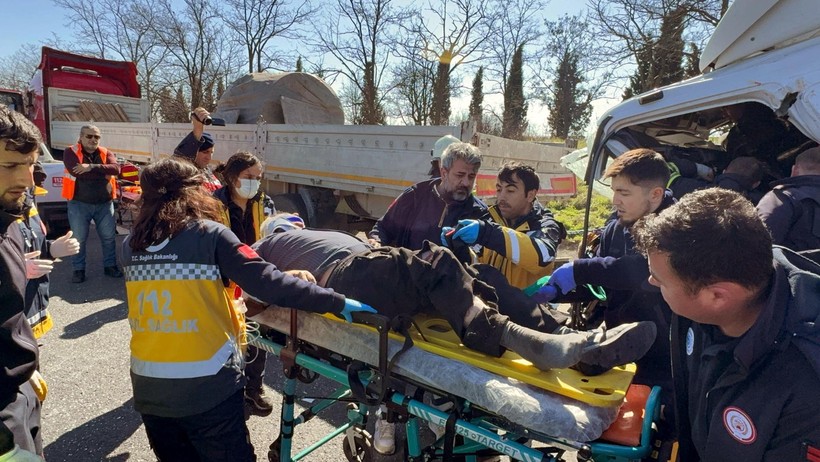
x=89, y=415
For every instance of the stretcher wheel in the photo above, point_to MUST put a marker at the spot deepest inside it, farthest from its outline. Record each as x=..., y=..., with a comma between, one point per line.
x=362, y=450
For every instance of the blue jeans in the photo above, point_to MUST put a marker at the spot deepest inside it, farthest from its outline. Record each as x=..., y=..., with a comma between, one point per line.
x=80, y=215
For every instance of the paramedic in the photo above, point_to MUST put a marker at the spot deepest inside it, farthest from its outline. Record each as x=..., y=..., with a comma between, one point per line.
x=519, y=237
x=244, y=207
x=791, y=210
x=187, y=335
x=20, y=436
x=746, y=344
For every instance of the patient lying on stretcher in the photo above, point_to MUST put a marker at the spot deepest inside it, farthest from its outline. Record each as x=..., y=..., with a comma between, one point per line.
x=398, y=281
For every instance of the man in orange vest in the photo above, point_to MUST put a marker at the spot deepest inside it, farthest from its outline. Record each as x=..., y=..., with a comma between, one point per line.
x=90, y=186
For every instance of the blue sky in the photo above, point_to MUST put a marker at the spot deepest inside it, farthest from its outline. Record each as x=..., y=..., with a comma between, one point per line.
x=34, y=21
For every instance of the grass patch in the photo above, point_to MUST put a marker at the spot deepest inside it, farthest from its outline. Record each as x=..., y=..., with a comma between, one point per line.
x=570, y=211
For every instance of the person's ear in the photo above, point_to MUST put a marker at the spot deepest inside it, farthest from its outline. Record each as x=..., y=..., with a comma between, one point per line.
x=442, y=171
x=657, y=193
x=531, y=195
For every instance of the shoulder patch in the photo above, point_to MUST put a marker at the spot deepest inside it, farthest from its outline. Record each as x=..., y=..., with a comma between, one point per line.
x=811, y=452
x=739, y=425
x=247, y=251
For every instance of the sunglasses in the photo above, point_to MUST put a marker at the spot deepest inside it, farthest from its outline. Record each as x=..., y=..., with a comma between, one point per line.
x=92, y=137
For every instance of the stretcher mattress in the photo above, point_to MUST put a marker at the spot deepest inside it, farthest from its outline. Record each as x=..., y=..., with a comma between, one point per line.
x=530, y=407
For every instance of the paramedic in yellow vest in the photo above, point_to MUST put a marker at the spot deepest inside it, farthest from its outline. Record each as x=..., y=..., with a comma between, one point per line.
x=244, y=208
x=521, y=237
x=90, y=186
x=187, y=334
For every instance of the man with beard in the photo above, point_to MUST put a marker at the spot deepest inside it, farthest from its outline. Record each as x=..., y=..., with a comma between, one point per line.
x=638, y=181
x=420, y=212
x=519, y=237
x=20, y=436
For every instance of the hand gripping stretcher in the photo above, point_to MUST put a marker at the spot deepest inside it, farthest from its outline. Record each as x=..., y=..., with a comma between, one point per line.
x=498, y=404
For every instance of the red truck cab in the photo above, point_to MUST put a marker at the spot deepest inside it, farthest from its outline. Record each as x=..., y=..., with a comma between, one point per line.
x=60, y=69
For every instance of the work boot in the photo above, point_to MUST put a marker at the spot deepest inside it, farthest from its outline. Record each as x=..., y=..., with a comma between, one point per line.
x=78, y=277
x=112, y=272
x=616, y=346
x=384, y=436
x=258, y=400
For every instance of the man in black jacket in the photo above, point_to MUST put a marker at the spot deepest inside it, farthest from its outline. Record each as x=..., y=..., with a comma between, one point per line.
x=420, y=212
x=20, y=435
x=745, y=337
x=639, y=179
x=791, y=210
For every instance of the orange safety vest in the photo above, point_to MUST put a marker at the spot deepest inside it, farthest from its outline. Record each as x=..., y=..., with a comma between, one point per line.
x=70, y=181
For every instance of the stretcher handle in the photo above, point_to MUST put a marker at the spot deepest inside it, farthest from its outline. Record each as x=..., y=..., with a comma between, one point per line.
x=380, y=322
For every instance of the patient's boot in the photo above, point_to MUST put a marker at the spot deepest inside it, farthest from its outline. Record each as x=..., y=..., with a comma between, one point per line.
x=545, y=351
x=616, y=346
x=597, y=351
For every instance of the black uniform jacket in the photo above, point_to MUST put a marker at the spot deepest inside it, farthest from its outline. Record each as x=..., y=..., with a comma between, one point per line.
x=756, y=397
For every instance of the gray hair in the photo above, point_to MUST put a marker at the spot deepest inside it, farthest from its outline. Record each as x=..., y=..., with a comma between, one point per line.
x=89, y=127
x=464, y=151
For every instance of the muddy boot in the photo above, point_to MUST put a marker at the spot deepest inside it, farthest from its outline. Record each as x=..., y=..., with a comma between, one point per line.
x=617, y=346
x=545, y=351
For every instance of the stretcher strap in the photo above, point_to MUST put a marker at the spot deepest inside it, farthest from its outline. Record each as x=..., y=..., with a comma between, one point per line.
x=383, y=326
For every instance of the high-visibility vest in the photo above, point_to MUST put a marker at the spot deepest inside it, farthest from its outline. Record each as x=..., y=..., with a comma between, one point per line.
x=70, y=181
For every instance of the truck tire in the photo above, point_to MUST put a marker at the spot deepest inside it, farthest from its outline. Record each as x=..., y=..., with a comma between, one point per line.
x=292, y=203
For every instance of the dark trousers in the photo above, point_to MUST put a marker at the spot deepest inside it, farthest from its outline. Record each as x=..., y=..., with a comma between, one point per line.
x=398, y=281
x=219, y=434
x=255, y=367
x=22, y=418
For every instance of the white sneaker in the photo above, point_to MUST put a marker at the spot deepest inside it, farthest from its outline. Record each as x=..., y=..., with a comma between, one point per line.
x=384, y=436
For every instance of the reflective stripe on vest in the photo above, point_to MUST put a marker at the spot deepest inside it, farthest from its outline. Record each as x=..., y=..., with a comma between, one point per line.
x=183, y=324
x=70, y=181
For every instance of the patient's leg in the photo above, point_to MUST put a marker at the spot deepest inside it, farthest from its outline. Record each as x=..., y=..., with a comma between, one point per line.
x=514, y=303
x=604, y=349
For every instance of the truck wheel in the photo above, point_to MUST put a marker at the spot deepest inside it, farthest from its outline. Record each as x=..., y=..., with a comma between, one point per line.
x=292, y=203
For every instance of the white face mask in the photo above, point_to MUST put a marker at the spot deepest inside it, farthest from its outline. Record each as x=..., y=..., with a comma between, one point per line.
x=247, y=188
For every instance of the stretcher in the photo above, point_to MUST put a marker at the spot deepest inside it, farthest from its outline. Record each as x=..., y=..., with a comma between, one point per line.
x=497, y=406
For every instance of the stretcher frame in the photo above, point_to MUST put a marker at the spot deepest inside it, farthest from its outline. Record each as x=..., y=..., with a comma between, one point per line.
x=481, y=432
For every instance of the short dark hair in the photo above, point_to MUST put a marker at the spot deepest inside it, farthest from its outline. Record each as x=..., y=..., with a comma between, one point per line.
x=710, y=236
x=236, y=164
x=643, y=167
x=524, y=172
x=747, y=167
x=17, y=132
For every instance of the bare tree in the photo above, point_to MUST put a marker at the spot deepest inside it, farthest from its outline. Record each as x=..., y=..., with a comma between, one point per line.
x=16, y=69
x=255, y=23
x=356, y=34
x=456, y=35
x=625, y=27
x=121, y=29
x=195, y=43
x=517, y=23
x=413, y=77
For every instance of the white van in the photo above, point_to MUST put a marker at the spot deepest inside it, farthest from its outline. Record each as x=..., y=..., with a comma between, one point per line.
x=762, y=60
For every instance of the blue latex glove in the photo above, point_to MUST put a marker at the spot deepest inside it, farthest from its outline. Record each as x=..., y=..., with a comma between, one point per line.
x=444, y=232
x=546, y=293
x=468, y=233
x=352, y=306
x=564, y=278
